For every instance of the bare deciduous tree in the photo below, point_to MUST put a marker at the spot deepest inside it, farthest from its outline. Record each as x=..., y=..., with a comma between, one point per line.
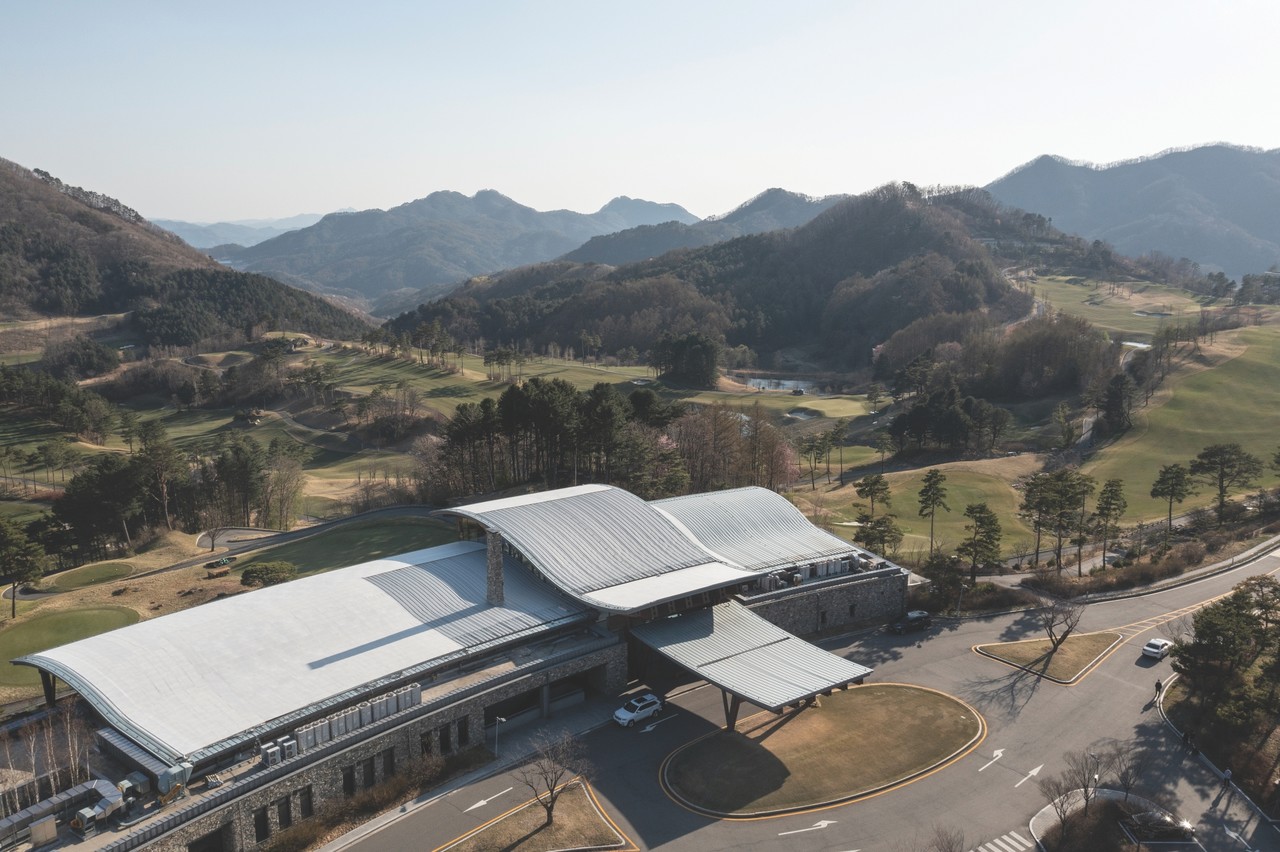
x=1126, y=765
x=1057, y=792
x=556, y=761
x=1059, y=619
x=1084, y=770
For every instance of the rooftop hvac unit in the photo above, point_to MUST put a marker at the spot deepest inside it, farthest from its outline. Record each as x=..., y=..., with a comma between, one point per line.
x=379, y=709
x=338, y=725
x=289, y=747
x=391, y=703
x=353, y=719
x=272, y=755
x=366, y=713
x=415, y=693
x=262, y=749
x=402, y=699
x=382, y=704
x=322, y=732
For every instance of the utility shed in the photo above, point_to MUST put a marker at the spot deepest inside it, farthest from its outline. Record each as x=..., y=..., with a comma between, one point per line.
x=749, y=658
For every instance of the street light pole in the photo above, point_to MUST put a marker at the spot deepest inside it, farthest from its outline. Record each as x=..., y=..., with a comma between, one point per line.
x=497, y=721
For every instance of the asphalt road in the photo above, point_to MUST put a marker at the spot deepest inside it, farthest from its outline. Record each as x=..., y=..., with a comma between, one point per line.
x=1032, y=723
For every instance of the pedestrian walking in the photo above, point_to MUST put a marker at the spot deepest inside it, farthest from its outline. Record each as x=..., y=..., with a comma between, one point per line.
x=1159, y=686
x=1226, y=779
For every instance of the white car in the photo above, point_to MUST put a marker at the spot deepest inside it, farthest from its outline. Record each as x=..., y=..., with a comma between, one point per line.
x=1158, y=648
x=637, y=709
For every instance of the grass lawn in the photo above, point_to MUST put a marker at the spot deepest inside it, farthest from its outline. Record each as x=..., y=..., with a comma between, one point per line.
x=1066, y=664
x=580, y=823
x=23, y=511
x=351, y=544
x=89, y=575
x=1134, y=314
x=56, y=628
x=782, y=403
x=1233, y=402
x=803, y=759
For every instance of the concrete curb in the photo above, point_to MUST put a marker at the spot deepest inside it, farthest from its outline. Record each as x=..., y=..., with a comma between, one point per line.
x=977, y=649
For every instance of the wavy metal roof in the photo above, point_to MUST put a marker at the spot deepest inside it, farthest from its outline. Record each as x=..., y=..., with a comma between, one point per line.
x=191, y=684
x=754, y=527
x=605, y=546
x=740, y=652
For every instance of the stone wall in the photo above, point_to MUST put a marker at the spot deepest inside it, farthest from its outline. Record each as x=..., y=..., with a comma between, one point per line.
x=324, y=780
x=846, y=601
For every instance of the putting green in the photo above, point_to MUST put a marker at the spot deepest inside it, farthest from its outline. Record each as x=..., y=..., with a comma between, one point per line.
x=857, y=742
x=91, y=575
x=49, y=631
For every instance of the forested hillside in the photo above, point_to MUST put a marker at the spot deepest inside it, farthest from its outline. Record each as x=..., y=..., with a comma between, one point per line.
x=1215, y=205
x=66, y=251
x=836, y=287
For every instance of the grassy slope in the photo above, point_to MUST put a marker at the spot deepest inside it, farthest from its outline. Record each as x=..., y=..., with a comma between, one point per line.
x=1234, y=402
x=1115, y=311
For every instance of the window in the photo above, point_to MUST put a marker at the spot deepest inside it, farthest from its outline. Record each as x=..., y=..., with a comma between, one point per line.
x=261, y=828
x=284, y=813
x=426, y=743
x=464, y=731
x=367, y=768
x=446, y=742
x=388, y=763
x=305, y=808
x=349, y=781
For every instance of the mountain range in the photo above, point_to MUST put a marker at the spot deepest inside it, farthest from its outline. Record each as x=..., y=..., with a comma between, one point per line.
x=65, y=251
x=1216, y=205
x=836, y=287
x=244, y=232
x=433, y=243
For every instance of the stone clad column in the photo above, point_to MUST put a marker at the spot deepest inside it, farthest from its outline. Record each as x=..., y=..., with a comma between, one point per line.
x=493, y=586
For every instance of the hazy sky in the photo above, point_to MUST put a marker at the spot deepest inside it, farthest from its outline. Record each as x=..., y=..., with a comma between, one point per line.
x=236, y=110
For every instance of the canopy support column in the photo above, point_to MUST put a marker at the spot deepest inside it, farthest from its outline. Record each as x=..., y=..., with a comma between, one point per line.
x=48, y=681
x=732, y=704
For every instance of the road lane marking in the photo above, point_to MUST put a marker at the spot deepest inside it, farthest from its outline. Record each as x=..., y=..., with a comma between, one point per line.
x=999, y=753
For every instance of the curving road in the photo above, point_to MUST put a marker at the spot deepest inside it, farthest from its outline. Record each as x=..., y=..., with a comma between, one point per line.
x=1032, y=723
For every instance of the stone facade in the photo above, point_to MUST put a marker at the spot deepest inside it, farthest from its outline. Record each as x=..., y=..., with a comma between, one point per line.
x=446, y=729
x=845, y=601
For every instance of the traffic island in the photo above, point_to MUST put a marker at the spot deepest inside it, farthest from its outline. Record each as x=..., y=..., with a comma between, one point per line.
x=855, y=743
x=1071, y=661
x=580, y=823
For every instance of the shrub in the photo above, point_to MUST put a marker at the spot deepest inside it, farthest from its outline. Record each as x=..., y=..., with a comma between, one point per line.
x=1191, y=553
x=268, y=574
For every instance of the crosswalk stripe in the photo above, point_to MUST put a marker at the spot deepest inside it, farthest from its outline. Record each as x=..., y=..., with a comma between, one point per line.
x=1011, y=842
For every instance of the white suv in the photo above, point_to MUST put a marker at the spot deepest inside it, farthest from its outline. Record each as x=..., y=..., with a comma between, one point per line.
x=637, y=709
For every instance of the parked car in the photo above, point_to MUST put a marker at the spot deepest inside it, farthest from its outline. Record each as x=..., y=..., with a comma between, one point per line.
x=637, y=709
x=916, y=619
x=1158, y=648
x=1158, y=825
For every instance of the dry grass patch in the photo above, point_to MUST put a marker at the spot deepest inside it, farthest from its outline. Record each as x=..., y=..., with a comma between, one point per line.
x=803, y=759
x=580, y=823
x=1072, y=659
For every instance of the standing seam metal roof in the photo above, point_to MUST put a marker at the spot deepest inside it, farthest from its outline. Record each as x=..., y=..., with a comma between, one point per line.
x=754, y=527
x=190, y=684
x=740, y=652
x=590, y=537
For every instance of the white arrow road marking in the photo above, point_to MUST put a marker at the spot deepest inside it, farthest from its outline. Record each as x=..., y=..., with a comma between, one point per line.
x=483, y=802
x=821, y=824
x=999, y=753
x=1035, y=771
x=1235, y=836
x=649, y=727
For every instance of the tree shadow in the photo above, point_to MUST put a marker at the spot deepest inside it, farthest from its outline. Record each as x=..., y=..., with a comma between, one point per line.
x=1005, y=695
x=515, y=844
